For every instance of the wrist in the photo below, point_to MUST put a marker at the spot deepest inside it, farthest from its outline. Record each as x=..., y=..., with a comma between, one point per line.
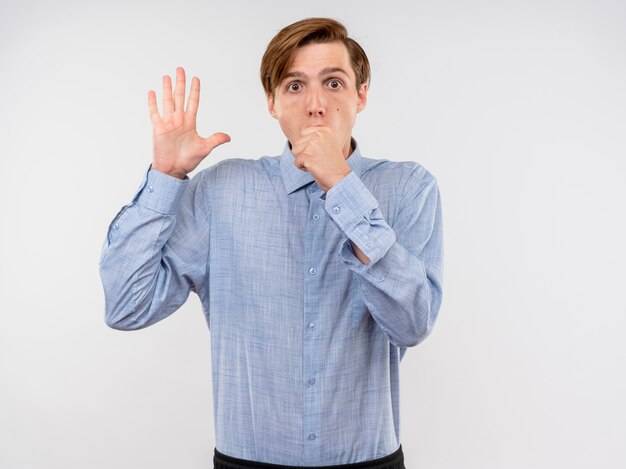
x=336, y=179
x=170, y=172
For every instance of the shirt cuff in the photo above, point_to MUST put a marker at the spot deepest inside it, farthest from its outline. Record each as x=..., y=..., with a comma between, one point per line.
x=355, y=211
x=160, y=192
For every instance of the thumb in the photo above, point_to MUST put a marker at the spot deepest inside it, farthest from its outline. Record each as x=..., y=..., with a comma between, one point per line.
x=215, y=140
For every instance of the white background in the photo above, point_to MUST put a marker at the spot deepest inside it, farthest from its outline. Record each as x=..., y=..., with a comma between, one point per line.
x=518, y=109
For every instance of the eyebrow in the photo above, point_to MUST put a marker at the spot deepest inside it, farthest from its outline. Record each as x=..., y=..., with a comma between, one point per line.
x=324, y=71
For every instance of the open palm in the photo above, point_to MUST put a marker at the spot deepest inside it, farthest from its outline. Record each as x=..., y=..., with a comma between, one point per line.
x=178, y=149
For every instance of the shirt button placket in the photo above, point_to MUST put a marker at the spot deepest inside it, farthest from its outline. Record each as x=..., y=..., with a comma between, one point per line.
x=314, y=246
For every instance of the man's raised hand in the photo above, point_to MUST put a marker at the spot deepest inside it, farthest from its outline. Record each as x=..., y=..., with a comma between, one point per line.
x=178, y=149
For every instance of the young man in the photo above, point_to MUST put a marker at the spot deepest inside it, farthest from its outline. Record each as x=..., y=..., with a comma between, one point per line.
x=315, y=269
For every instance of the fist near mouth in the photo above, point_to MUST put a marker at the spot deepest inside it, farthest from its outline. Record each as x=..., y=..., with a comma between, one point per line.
x=318, y=152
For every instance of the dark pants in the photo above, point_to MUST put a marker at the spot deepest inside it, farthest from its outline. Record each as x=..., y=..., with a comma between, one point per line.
x=393, y=461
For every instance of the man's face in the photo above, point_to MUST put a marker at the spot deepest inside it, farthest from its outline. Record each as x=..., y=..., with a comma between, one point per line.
x=319, y=90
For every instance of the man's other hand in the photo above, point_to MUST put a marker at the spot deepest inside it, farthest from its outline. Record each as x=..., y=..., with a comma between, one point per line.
x=178, y=149
x=318, y=152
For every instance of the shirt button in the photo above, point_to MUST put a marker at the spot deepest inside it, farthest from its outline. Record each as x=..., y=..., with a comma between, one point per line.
x=116, y=226
x=312, y=436
x=311, y=327
x=316, y=217
x=336, y=209
x=150, y=189
x=312, y=270
x=311, y=381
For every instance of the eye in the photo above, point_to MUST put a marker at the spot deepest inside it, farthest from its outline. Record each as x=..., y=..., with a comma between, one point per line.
x=294, y=87
x=335, y=84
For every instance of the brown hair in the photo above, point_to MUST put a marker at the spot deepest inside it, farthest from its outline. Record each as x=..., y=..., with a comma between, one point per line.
x=281, y=49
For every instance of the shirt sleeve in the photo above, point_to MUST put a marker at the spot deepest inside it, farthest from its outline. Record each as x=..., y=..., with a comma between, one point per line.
x=155, y=251
x=402, y=284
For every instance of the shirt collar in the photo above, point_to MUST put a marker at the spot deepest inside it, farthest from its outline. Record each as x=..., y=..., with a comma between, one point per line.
x=295, y=178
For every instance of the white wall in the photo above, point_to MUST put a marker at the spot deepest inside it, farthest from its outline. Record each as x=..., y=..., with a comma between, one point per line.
x=518, y=108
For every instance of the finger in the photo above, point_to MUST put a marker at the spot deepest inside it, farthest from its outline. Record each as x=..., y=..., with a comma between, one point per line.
x=194, y=96
x=152, y=107
x=168, y=104
x=313, y=129
x=299, y=145
x=215, y=140
x=179, y=91
x=304, y=138
x=300, y=164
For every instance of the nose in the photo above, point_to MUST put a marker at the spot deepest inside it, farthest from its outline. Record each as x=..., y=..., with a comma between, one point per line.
x=315, y=105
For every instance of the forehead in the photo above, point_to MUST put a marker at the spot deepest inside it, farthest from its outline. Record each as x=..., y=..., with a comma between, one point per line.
x=312, y=58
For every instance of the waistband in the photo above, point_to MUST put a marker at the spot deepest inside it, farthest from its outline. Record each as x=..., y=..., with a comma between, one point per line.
x=394, y=461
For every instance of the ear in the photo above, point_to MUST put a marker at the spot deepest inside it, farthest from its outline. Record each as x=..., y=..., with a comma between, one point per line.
x=270, y=106
x=362, y=97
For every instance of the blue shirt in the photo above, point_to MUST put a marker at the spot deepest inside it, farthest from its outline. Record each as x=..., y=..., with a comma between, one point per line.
x=306, y=340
